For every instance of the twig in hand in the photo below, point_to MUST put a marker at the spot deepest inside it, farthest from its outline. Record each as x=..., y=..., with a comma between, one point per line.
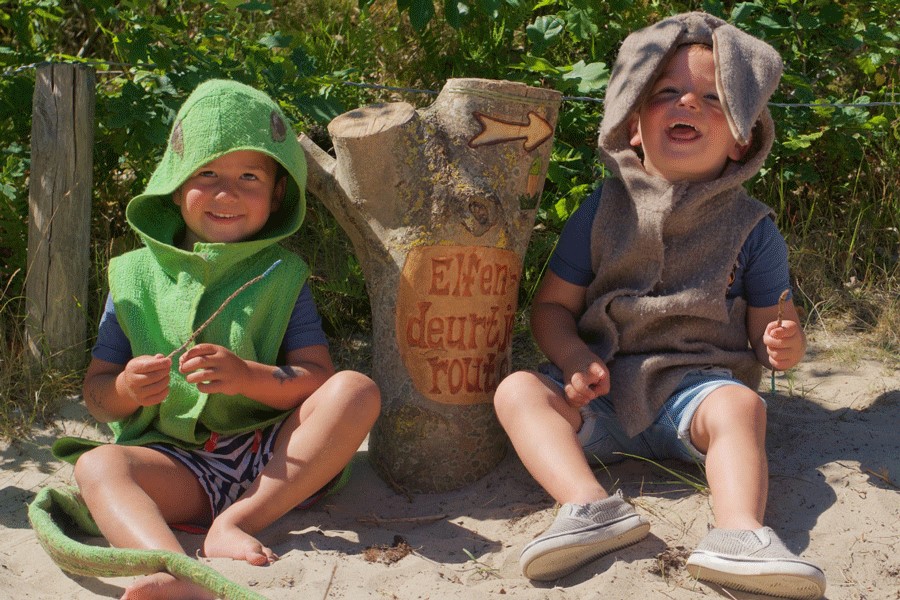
x=219, y=310
x=781, y=299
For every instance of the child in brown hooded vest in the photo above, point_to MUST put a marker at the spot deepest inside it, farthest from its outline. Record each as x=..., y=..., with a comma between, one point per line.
x=660, y=309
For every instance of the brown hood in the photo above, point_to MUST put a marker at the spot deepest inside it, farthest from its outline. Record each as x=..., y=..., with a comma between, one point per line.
x=747, y=72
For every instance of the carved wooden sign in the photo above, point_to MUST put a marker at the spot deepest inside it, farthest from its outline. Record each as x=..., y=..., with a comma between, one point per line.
x=496, y=131
x=439, y=204
x=455, y=312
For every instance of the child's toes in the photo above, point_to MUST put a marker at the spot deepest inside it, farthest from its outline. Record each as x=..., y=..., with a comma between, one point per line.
x=260, y=556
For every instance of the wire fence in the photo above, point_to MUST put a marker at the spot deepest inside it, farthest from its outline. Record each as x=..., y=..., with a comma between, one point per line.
x=406, y=90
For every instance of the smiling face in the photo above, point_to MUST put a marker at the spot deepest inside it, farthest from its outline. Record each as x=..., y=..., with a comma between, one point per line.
x=230, y=198
x=681, y=127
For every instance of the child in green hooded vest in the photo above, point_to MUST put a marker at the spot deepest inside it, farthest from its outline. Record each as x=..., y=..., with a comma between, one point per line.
x=250, y=421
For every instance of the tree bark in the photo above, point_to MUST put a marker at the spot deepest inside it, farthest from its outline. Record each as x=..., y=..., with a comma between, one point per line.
x=62, y=142
x=439, y=204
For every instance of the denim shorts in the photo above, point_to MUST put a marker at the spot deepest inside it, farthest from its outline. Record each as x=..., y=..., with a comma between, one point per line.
x=669, y=436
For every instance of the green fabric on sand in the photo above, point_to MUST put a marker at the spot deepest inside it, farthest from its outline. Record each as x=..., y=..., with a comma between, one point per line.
x=54, y=506
x=77, y=558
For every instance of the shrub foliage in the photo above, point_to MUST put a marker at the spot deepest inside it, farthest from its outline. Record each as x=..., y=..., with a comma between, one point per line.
x=831, y=178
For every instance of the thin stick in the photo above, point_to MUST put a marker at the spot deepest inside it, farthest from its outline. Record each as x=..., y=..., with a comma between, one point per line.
x=781, y=300
x=373, y=520
x=330, y=580
x=221, y=308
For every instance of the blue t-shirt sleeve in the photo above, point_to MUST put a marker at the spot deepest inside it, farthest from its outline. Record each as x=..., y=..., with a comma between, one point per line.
x=112, y=345
x=762, y=272
x=304, y=329
x=305, y=326
x=760, y=277
x=571, y=259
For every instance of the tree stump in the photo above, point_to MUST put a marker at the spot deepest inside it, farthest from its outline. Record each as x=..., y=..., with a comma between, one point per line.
x=439, y=204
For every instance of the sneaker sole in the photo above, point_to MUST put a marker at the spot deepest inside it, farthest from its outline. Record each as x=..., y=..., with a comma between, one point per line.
x=561, y=560
x=758, y=577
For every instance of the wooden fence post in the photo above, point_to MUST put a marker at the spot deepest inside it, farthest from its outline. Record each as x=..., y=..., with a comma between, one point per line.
x=439, y=204
x=62, y=140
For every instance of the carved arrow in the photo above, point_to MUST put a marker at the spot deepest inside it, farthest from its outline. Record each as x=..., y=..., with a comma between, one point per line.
x=496, y=131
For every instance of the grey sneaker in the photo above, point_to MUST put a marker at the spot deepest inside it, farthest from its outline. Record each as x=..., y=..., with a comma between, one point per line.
x=581, y=533
x=755, y=561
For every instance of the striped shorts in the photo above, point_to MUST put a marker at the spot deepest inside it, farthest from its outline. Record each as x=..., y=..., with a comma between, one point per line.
x=226, y=466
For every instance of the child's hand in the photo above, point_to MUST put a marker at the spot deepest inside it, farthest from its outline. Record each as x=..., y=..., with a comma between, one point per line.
x=586, y=383
x=146, y=379
x=214, y=369
x=784, y=344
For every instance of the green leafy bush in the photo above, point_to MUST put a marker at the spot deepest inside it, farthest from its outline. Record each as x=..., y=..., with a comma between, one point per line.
x=832, y=176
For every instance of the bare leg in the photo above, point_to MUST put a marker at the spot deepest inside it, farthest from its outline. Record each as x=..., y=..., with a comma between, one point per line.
x=543, y=429
x=162, y=586
x=128, y=491
x=730, y=425
x=316, y=441
x=730, y=428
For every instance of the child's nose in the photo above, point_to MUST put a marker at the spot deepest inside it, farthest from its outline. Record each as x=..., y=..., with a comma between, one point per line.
x=224, y=191
x=689, y=99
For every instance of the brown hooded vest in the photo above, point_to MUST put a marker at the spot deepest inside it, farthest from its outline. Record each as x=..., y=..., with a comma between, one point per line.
x=662, y=252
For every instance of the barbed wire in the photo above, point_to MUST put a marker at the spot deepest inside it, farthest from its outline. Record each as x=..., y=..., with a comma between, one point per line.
x=406, y=90
x=90, y=63
x=595, y=100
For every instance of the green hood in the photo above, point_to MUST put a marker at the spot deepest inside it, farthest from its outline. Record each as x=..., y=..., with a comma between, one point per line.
x=221, y=117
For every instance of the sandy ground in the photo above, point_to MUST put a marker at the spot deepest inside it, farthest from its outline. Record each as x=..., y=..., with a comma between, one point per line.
x=834, y=452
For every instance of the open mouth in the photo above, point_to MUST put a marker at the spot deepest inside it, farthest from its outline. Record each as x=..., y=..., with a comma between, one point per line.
x=683, y=131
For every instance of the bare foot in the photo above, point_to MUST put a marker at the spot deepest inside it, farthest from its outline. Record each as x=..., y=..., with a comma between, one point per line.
x=228, y=541
x=163, y=586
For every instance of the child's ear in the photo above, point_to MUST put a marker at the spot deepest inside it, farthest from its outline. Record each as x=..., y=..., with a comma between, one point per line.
x=739, y=150
x=634, y=130
x=278, y=193
x=176, y=196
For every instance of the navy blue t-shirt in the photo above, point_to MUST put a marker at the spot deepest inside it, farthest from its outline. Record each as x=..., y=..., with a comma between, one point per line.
x=760, y=275
x=304, y=329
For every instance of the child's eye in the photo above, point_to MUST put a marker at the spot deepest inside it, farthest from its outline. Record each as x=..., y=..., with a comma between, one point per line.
x=712, y=97
x=206, y=174
x=249, y=177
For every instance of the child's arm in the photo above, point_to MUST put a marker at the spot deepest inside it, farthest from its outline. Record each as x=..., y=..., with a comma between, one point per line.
x=778, y=348
x=217, y=370
x=556, y=306
x=112, y=391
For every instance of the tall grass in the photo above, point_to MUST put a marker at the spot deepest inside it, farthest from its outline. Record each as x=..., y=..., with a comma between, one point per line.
x=30, y=393
x=843, y=235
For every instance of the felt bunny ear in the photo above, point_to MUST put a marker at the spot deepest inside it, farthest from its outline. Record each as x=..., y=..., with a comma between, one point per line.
x=639, y=61
x=747, y=72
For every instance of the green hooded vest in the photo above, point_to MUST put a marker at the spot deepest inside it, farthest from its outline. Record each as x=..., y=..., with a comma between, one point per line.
x=162, y=294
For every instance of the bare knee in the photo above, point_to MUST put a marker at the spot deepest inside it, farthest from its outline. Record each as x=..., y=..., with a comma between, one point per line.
x=745, y=406
x=96, y=466
x=358, y=392
x=729, y=410
x=508, y=392
x=526, y=393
